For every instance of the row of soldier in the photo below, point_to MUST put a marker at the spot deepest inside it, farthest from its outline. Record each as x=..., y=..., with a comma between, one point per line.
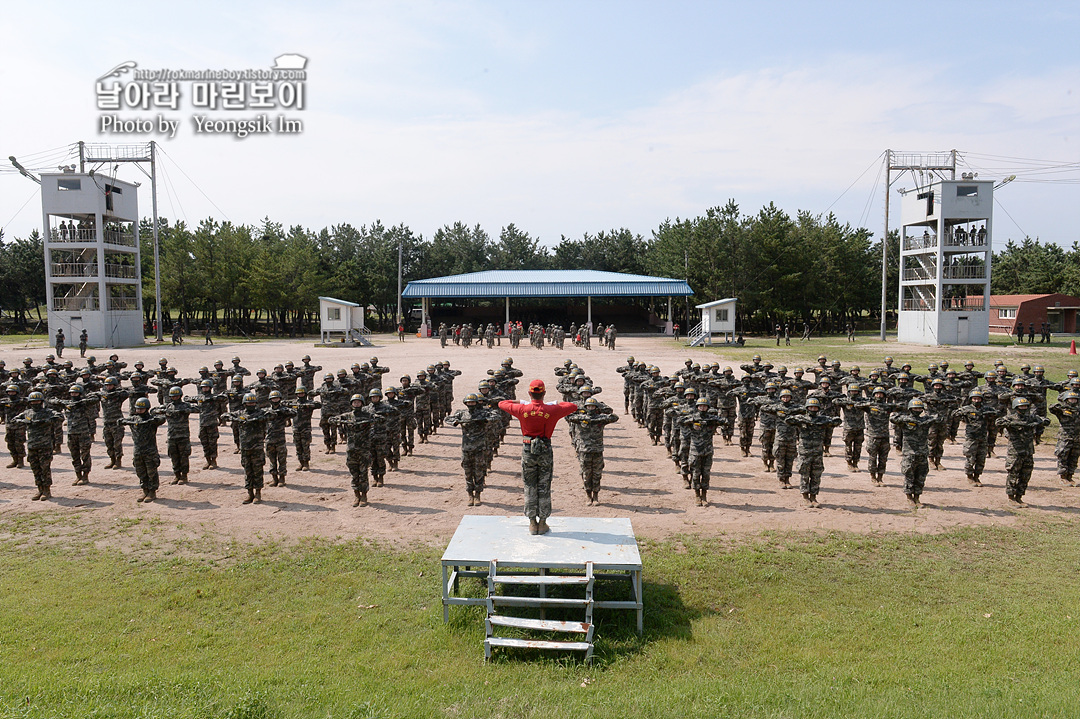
x=798, y=418
x=552, y=335
x=38, y=399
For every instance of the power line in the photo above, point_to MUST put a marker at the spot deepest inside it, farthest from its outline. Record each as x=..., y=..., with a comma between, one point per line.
x=196, y=185
x=19, y=211
x=853, y=183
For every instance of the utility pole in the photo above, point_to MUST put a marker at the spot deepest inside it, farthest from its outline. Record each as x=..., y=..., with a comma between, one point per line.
x=903, y=162
x=400, y=318
x=157, y=259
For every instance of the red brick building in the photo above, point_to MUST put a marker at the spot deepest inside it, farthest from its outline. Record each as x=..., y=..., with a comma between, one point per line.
x=1006, y=311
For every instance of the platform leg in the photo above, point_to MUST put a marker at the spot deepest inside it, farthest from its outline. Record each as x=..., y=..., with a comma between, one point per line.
x=640, y=603
x=445, y=597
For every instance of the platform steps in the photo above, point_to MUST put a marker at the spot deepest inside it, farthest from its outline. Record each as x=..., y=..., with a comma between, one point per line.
x=497, y=602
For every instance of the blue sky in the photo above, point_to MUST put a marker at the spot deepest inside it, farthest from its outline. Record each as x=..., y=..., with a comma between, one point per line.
x=566, y=118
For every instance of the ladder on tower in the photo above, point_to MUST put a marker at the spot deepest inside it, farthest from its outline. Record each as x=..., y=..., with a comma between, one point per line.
x=497, y=621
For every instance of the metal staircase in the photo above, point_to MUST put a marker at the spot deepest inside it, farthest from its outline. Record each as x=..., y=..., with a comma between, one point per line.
x=696, y=336
x=360, y=337
x=542, y=581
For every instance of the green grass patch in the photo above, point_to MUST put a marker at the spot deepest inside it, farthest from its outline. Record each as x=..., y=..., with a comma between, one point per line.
x=977, y=622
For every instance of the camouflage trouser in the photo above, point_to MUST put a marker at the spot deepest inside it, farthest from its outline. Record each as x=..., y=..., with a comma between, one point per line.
x=423, y=422
x=114, y=440
x=180, y=453
x=58, y=436
x=654, y=419
x=278, y=454
x=302, y=441
x=727, y=431
x=936, y=440
x=394, y=447
x=474, y=464
x=79, y=448
x=639, y=407
x=974, y=455
x=592, y=469
x=700, y=470
x=1067, y=452
x=1040, y=410
x=358, y=462
x=537, y=464
x=954, y=427
x=1018, y=473
x=915, y=468
x=853, y=441
x=408, y=437
x=684, y=453
x=898, y=437
x=810, y=468
x=746, y=432
x=146, y=470
x=208, y=438
x=253, y=461
x=784, y=452
x=828, y=437
x=768, y=437
x=877, y=454
x=627, y=394
x=16, y=441
x=40, y=461
x=379, y=449
x=236, y=435
x=991, y=438
x=329, y=432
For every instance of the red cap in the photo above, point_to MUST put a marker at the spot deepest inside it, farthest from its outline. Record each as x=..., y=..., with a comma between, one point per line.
x=537, y=385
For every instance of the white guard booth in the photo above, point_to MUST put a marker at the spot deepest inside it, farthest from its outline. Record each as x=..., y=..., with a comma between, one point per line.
x=340, y=321
x=717, y=317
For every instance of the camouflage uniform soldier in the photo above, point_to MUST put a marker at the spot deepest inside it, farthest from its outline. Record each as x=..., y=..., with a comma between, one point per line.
x=286, y=377
x=941, y=405
x=1067, y=410
x=408, y=393
x=39, y=422
x=768, y=423
x=357, y=427
x=235, y=399
x=747, y=412
x=253, y=422
x=277, y=450
x=474, y=421
x=402, y=408
x=210, y=408
x=382, y=417
x=590, y=425
x=79, y=412
x=827, y=398
x=178, y=436
x=813, y=427
x=146, y=459
x=14, y=432
x=977, y=420
x=876, y=427
x=654, y=399
x=422, y=397
x=1020, y=425
x=307, y=373
x=901, y=394
x=221, y=376
x=853, y=424
x=333, y=403
x=785, y=442
x=671, y=408
x=915, y=463
x=84, y=339
x=627, y=371
x=701, y=424
x=262, y=387
x=1039, y=387
x=302, y=427
x=681, y=451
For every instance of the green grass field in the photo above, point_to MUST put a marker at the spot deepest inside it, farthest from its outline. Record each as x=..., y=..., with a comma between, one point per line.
x=973, y=623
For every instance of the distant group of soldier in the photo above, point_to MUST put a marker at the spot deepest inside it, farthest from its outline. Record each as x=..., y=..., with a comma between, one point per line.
x=798, y=418
x=376, y=427
x=552, y=335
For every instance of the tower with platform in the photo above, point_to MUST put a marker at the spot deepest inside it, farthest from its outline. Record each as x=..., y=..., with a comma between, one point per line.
x=93, y=279
x=945, y=256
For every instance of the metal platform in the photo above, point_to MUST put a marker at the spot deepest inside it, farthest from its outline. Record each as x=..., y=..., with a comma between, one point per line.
x=573, y=542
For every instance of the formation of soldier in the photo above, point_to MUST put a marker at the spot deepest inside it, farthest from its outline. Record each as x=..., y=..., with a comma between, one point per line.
x=551, y=335
x=377, y=427
x=798, y=418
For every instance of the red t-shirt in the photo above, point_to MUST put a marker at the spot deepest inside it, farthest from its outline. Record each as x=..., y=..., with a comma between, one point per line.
x=538, y=419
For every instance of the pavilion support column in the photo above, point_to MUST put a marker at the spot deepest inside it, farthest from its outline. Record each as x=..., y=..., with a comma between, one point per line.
x=588, y=313
x=423, y=316
x=506, y=327
x=670, y=321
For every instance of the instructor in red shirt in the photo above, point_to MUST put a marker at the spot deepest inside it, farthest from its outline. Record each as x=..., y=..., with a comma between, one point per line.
x=538, y=421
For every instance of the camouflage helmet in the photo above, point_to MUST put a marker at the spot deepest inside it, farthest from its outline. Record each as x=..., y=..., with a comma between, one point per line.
x=855, y=368
x=782, y=369
x=484, y=384
x=356, y=398
x=355, y=366
x=756, y=358
x=206, y=384
x=328, y=376
x=260, y=373
x=275, y=395
x=879, y=390
x=140, y=403
x=393, y=390
x=592, y=403
x=1072, y=373
x=301, y=390
x=1025, y=367
x=975, y=393
x=677, y=386
x=903, y=377
x=375, y=392
x=702, y=400
x=835, y=363
x=1070, y=395
x=585, y=389
x=813, y=402
x=277, y=368
x=11, y=388
x=799, y=370
x=250, y=398
x=110, y=381
x=508, y=361
x=204, y=370
x=472, y=398
x=938, y=382
x=52, y=373
x=238, y=381
x=236, y=359
x=969, y=365
x=771, y=386
x=786, y=393
x=374, y=361
x=161, y=361
x=1019, y=381
x=916, y=404
x=944, y=364
x=219, y=363
x=932, y=367
x=305, y=358
x=690, y=392
x=852, y=387
x=1021, y=403
x=822, y=358
x=289, y=364
x=342, y=372
x=1038, y=369
x=75, y=389
x=567, y=362
x=989, y=375
x=175, y=392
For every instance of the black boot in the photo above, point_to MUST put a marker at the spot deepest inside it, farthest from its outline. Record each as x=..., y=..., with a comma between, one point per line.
x=356, y=502
x=250, y=497
x=258, y=495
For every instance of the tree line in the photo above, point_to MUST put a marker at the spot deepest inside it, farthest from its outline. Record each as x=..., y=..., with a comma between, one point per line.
x=265, y=277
